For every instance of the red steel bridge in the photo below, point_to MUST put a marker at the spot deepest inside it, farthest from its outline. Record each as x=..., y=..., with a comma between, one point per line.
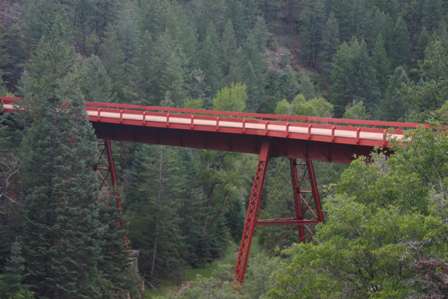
x=301, y=138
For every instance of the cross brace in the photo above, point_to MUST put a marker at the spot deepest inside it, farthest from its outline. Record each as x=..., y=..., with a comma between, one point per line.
x=304, y=207
x=107, y=175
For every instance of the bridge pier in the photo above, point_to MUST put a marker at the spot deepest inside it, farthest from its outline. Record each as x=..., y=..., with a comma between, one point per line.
x=308, y=211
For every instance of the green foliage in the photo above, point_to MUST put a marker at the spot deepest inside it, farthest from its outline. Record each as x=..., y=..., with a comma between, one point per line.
x=301, y=106
x=356, y=110
x=361, y=253
x=311, y=27
x=50, y=69
x=95, y=82
x=399, y=45
x=382, y=221
x=231, y=98
x=154, y=227
x=353, y=76
x=11, y=280
x=431, y=91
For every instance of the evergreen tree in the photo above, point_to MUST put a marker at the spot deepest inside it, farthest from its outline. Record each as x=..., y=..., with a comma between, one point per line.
x=12, y=55
x=432, y=13
x=114, y=264
x=399, y=43
x=381, y=62
x=229, y=51
x=393, y=106
x=154, y=226
x=52, y=62
x=210, y=58
x=61, y=230
x=353, y=77
x=95, y=82
x=330, y=42
x=61, y=246
x=312, y=24
x=119, y=52
x=11, y=280
x=255, y=69
x=422, y=43
x=146, y=70
x=168, y=66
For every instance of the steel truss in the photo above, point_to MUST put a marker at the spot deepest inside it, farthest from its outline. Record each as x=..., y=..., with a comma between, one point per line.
x=107, y=175
x=307, y=206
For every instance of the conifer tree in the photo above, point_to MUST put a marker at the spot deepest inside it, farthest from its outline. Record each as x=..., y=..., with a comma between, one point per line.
x=95, y=82
x=11, y=280
x=330, y=42
x=12, y=55
x=432, y=13
x=231, y=54
x=114, y=264
x=154, y=229
x=312, y=23
x=393, y=106
x=255, y=69
x=353, y=77
x=168, y=67
x=210, y=58
x=381, y=62
x=61, y=237
x=399, y=43
x=119, y=53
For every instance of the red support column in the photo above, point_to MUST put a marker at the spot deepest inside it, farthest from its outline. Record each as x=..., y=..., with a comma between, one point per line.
x=315, y=190
x=113, y=173
x=297, y=199
x=251, y=213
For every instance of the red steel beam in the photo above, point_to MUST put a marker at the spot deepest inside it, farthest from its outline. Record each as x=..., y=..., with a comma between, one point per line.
x=314, y=190
x=286, y=221
x=251, y=213
x=295, y=183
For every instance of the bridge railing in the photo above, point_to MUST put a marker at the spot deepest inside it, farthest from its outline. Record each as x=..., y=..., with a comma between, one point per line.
x=295, y=126
x=259, y=116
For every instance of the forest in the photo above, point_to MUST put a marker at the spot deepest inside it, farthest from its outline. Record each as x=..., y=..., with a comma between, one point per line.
x=386, y=228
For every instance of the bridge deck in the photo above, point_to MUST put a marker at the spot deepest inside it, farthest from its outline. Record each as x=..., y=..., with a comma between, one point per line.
x=294, y=136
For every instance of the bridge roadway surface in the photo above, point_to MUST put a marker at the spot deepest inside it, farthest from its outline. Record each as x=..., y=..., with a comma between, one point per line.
x=301, y=137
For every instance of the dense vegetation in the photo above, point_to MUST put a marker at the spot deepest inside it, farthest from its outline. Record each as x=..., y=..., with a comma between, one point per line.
x=386, y=233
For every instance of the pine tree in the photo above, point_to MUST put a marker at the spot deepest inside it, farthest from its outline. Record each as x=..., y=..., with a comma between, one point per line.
x=95, y=82
x=11, y=280
x=422, y=43
x=146, y=70
x=399, y=43
x=255, y=70
x=168, y=66
x=119, y=53
x=353, y=77
x=432, y=13
x=61, y=230
x=12, y=55
x=312, y=23
x=154, y=229
x=229, y=50
x=114, y=264
x=210, y=58
x=381, y=62
x=393, y=106
x=330, y=42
